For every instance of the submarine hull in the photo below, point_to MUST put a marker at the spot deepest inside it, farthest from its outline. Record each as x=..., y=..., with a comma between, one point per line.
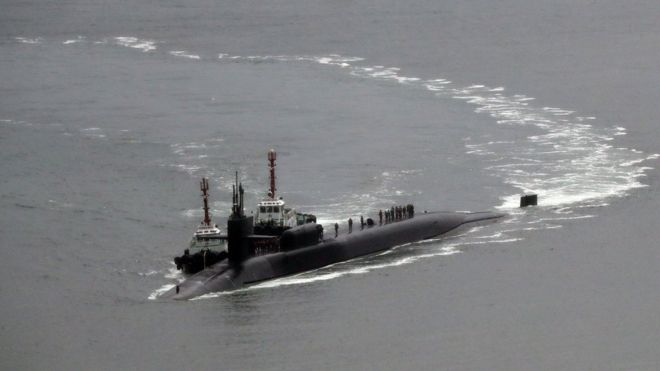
x=227, y=276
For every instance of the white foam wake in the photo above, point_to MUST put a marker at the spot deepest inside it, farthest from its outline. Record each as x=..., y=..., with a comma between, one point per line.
x=29, y=40
x=569, y=162
x=184, y=54
x=77, y=40
x=173, y=275
x=136, y=43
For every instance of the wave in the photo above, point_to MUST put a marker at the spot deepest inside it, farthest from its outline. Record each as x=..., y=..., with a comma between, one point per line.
x=29, y=40
x=136, y=43
x=184, y=54
x=77, y=40
x=173, y=275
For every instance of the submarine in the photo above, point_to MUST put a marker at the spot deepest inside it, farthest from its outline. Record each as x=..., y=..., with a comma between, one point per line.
x=252, y=257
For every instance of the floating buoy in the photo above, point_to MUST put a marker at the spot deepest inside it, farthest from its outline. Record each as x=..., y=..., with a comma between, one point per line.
x=528, y=200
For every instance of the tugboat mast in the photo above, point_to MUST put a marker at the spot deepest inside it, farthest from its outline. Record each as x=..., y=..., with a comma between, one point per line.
x=272, y=156
x=204, y=186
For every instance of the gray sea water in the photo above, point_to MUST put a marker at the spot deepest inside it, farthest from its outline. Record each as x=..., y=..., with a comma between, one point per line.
x=110, y=113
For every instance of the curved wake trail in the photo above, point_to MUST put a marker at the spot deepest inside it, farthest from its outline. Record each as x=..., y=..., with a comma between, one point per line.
x=570, y=161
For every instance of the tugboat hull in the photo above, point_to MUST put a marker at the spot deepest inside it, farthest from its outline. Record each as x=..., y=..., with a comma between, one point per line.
x=193, y=263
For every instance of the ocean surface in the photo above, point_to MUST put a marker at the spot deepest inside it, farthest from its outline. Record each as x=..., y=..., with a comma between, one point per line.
x=111, y=112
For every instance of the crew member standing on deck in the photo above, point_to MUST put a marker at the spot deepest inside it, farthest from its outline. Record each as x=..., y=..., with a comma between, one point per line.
x=350, y=225
x=380, y=217
x=411, y=210
x=361, y=222
x=336, y=230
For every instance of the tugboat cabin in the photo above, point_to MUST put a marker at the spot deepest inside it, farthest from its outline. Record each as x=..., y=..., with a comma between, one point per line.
x=275, y=214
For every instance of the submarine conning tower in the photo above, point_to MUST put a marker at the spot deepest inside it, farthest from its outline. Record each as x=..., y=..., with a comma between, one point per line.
x=239, y=227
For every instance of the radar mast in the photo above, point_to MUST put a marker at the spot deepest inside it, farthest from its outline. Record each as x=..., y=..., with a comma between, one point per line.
x=204, y=186
x=272, y=156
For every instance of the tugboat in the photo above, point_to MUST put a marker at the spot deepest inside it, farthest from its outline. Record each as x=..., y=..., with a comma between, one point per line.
x=280, y=249
x=273, y=217
x=207, y=246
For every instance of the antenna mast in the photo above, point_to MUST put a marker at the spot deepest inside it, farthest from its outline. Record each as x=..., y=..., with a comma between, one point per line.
x=204, y=186
x=272, y=156
x=237, y=199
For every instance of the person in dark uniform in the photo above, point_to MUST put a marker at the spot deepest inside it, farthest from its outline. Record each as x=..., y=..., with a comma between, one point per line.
x=392, y=216
x=361, y=222
x=411, y=210
x=380, y=217
x=336, y=230
x=350, y=225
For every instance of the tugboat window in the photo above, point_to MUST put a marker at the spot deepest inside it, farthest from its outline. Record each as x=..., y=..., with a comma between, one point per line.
x=262, y=209
x=276, y=209
x=270, y=209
